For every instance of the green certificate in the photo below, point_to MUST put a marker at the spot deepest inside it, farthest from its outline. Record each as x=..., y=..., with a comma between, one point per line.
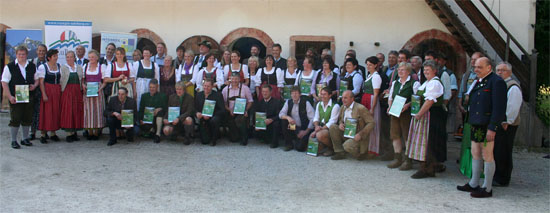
x=312, y=147
x=260, y=121
x=286, y=92
x=173, y=113
x=127, y=118
x=343, y=87
x=415, y=104
x=319, y=87
x=397, y=105
x=208, y=108
x=148, y=114
x=305, y=86
x=92, y=89
x=22, y=93
x=351, y=128
x=240, y=106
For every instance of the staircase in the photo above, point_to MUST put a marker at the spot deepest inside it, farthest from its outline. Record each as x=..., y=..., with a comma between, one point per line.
x=521, y=69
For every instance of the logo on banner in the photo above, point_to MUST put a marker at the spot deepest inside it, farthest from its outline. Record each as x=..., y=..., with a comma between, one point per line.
x=68, y=39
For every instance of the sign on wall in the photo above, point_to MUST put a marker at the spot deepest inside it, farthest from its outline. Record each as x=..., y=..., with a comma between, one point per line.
x=67, y=35
x=14, y=38
x=128, y=41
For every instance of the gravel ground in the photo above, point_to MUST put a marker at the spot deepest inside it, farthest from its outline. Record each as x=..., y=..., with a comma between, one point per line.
x=88, y=176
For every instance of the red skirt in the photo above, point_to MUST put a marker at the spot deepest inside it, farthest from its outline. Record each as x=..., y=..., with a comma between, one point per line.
x=275, y=93
x=366, y=100
x=72, y=108
x=50, y=111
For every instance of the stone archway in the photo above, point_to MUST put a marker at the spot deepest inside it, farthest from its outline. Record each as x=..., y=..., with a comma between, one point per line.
x=260, y=35
x=192, y=43
x=148, y=34
x=434, y=34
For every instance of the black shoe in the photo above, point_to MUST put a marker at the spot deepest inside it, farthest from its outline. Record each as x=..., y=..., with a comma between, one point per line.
x=43, y=140
x=69, y=139
x=32, y=137
x=131, y=139
x=273, y=146
x=422, y=174
x=186, y=141
x=481, y=193
x=213, y=143
x=439, y=168
x=287, y=148
x=244, y=143
x=75, y=137
x=47, y=136
x=497, y=184
x=54, y=138
x=111, y=142
x=156, y=139
x=338, y=156
x=467, y=188
x=15, y=145
x=26, y=142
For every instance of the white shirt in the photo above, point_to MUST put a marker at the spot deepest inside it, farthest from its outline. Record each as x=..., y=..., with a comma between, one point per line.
x=295, y=114
x=415, y=87
x=293, y=75
x=333, y=114
x=81, y=61
x=376, y=80
x=71, y=70
x=348, y=111
x=434, y=89
x=158, y=59
x=229, y=68
x=336, y=70
x=357, y=81
x=201, y=73
x=88, y=71
x=513, y=105
x=194, y=69
x=312, y=76
x=278, y=73
x=6, y=75
x=446, y=80
x=41, y=71
x=136, y=69
x=107, y=71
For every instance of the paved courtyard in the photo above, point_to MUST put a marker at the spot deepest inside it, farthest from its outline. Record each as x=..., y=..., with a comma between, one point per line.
x=88, y=176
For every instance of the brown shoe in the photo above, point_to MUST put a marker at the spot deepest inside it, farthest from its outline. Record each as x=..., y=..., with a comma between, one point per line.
x=328, y=153
x=422, y=174
x=338, y=156
x=397, y=161
x=407, y=164
x=388, y=156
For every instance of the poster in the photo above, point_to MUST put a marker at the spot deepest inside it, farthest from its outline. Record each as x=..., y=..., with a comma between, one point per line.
x=67, y=35
x=128, y=41
x=15, y=38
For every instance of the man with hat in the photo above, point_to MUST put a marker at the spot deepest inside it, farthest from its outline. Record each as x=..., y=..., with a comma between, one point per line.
x=204, y=48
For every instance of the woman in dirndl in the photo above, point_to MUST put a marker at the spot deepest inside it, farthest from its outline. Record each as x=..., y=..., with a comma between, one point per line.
x=145, y=71
x=120, y=74
x=271, y=76
x=307, y=76
x=49, y=75
x=72, y=105
x=425, y=132
x=167, y=77
x=94, y=104
x=370, y=99
x=187, y=72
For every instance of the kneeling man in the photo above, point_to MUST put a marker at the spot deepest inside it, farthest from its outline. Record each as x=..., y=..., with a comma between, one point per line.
x=297, y=121
x=113, y=112
x=183, y=123
x=326, y=115
x=157, y=102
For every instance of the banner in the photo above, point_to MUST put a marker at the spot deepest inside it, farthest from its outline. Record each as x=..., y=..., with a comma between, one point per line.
x=67, y=35
x=128, y=41
x=15, y=38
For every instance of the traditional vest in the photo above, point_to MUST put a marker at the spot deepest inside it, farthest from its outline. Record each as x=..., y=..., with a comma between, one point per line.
x=405, y=92
x=331, y=83
x=211, y=75
x=141, y=71
x=115, y=73
x=240, y=72
x=291, y=81
x=186, y=77
x=367, y=86
x=302, y=111
x=324, y=116
x=52, y=78
x=17, y=78
x=420, y=93
x=270, y=79
x=509, y=84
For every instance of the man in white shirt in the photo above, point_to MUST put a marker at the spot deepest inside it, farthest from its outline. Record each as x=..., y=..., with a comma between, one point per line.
x=204, y=48
x=326, y=115
x=80, y=55
x=109, y=54
x=161, y=54
x=297, y=121
x=504, y=139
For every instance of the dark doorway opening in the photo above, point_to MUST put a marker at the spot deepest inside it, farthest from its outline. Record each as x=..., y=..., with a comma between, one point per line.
x=244, y=44
x=439, y=47
x=303, y=46
x=143, y=42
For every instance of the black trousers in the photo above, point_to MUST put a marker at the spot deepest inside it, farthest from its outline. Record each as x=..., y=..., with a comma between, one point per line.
x=504, y=145
x=115, y=124
x=209, y=129
x=271, y=134
x=386, y=144
x=291, y=137
x=237, y=125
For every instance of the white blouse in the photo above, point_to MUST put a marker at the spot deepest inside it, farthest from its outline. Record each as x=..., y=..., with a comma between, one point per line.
x=433, y=89
x=136, y=68
x=376, y=80
x=193, y=70
x=227, y=70
x=415, y=87
x=120, y=69
x=41, y=71
x=278, y=73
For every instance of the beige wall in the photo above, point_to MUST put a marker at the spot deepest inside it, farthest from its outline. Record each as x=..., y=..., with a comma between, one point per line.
x=391, y=23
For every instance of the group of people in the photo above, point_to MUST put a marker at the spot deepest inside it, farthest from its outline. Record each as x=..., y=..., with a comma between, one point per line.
x=267, y=97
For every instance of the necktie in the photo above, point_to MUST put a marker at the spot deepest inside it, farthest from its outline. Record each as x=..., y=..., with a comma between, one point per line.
x=79, y=62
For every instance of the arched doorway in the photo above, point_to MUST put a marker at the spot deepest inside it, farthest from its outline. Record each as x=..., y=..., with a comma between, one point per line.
x=144, y=42
x=440, y=47
x=244, y=44
x=147, y=38
x=243, y=38
x=192, y=43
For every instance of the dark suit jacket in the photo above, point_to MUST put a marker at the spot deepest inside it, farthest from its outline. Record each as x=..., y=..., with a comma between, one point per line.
x=488, y=102
x=219, y=110
x=271, y=108
x=114, y=105
x=187, y=106
x=281, y=64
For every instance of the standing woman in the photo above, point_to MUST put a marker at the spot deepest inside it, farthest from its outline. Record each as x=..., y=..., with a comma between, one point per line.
x=271, y=76
x=307, y=75
x=291, y=72
x=136, y=55
x=146, y=70
x=167, y=77
x=235, y=67
x=72, y=105
x=370, y=98
x=405, y=86
x=49, y=76
x=95, y=105
x=120, y=74
x=421, y=143
x=187, y=72
x=252, y=70
x=210, y=72
x=226, y=58
x=328, y=78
